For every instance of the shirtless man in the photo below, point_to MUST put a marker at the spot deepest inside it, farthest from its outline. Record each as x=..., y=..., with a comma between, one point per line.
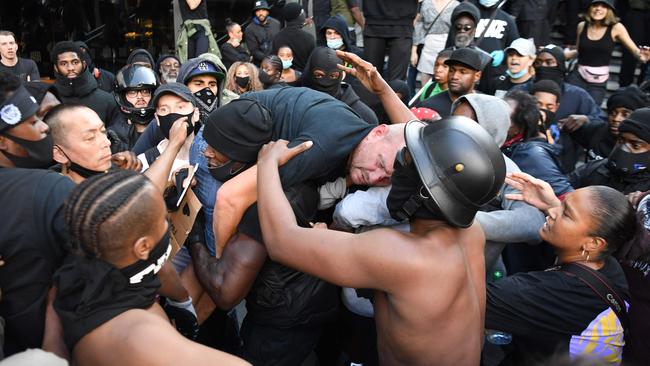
x=430, y=283
x=107, y=290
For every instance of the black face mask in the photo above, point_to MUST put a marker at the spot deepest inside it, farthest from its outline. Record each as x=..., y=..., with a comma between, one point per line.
x=166, y=123
x=626, y=163
x=207, y=99
x=83, y=172
x=327, y=85
x=242, y=81
x=145, y=270
x=267, y=79
x=554, y=73
x=408, y=198
x=225, y=172
x=39, y=153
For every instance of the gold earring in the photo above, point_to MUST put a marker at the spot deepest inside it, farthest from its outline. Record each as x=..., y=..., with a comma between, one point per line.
x=583, y=252
x=587, y=257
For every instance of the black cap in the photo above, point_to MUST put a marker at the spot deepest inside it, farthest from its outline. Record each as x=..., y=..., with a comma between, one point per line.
x=466, y=8
x=547, y=86
x=38, y=89
x=62, y=47
x=630, y=97
x=261, y=4
x=466, y=56
x=291, y=11
x=608, y=3
x=177, y=89
x=239, y=129
x=638, y=123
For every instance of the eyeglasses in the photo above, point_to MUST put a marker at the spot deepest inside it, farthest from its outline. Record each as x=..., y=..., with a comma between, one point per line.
x=464, y=27
x=134, y=93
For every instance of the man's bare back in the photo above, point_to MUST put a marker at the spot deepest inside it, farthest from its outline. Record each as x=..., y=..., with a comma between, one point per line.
x=144, y=337
x=437, y=317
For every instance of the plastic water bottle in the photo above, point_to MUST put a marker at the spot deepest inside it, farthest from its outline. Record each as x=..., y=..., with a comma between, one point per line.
x=497, y=337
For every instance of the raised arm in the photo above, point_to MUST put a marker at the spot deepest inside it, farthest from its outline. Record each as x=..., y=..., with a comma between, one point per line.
x=375, y=259
x=193, y=4
x=159, y=171
x=372, y=80
x=535, y=192
x=621, y=35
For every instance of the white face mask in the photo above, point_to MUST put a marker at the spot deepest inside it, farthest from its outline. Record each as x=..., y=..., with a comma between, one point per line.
x=489, y=3
x=335, y=44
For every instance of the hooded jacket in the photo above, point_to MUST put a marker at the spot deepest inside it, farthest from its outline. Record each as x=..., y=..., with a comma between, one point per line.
x=300, y=41
x=84, y=90
x=339, y=25
x=105, y=79
x=142, y=53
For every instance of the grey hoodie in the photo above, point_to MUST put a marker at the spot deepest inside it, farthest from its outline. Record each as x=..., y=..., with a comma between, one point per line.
x=517, y=221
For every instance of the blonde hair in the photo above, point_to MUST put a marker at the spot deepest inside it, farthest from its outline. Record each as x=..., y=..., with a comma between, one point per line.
x=610, y=18
x=254, y=83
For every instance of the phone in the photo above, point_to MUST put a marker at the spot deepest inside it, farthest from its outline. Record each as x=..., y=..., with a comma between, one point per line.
x=190, y=176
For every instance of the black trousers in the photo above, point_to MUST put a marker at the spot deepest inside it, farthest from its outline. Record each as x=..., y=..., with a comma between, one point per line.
x=398, y=50
x=266, y=345
x=573, y=8
x=197, y=44
x=637, y=23
x=537, y=29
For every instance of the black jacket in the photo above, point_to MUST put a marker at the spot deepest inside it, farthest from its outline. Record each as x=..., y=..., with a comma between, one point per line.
x=300, y=42
x=259, y=38
x=595, y=137
x=83, y=90
x=598, y=173
x=123, y=136
x=536, y=157
x=230, y=54
x=105, y=79
x=349, y=97
x=338, y=23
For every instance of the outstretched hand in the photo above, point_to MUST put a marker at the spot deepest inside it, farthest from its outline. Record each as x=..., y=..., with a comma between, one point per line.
x=279, y=153
x=363, y=70
x=535, y=192
x=126, y=160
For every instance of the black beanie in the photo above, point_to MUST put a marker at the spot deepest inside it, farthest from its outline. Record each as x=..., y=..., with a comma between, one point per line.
x=239, y=129
x=558, y=54
x=291, y=11
x=630, y=97
x=64, y=46
x=547, y=86
x=638, y=123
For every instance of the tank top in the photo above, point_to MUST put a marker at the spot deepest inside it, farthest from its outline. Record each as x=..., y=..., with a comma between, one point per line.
x=598, y=52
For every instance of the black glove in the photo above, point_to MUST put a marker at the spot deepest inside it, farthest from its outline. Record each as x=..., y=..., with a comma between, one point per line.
x=183, y=316
x=197, y=234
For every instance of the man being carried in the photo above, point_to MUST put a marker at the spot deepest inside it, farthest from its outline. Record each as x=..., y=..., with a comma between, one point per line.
x=446, y=172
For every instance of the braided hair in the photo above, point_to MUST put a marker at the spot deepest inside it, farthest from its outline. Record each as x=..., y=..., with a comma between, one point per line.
x=91, y=212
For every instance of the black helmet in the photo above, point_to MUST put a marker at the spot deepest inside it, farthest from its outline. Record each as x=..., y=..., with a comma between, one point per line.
x=458, y=163
x=135, y=77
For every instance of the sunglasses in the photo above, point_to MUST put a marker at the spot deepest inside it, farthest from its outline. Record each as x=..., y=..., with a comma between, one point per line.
x=464, y=27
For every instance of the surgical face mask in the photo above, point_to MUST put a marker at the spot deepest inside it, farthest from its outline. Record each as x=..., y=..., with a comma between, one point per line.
x=489, y=3
x=225, y=172
x=145, y=270
x=166, y=122
x=287, y=64
x=39, y=153
x=207, y=99
x=627, y=163
x=242, y=81
x=518, y=74
x=335, y=44
x=81, y=171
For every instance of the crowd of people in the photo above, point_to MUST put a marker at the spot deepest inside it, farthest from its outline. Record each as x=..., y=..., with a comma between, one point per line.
x=411, y=182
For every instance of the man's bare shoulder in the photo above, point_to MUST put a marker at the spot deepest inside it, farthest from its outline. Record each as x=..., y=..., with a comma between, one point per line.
x=138, y=337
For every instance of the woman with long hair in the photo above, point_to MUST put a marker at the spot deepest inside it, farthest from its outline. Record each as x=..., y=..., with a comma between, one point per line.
x=242, y=77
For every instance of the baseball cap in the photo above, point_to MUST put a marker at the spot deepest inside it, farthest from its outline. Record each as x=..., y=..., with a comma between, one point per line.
x=467, y=57
x=523, y=46
x=177, y=89
x=261, y=4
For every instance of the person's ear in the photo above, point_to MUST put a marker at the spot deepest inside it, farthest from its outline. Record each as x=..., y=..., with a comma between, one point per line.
x=595, y=245
x=379, y=131
x=59, y=155
x=477, y=76
x=142, y=247
x=196, y=115
x=4, y=143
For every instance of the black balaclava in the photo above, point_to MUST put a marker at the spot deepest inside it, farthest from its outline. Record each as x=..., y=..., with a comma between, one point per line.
x=626, y=163
x=408, y=198
x=555, y=73
x=324, y=59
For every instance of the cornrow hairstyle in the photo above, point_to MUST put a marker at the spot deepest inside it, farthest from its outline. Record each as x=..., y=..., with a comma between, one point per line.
x=274, y=61
x=95, y=201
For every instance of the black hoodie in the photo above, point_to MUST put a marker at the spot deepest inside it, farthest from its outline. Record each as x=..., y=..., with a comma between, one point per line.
x=83, y=90
x=141, y=53
x=105, y=79
x=300, y=42
x=338, y=24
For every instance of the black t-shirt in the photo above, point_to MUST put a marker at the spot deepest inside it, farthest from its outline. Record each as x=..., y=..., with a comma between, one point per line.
x=551, y=310
x=440, y=103
x=303, y=114
x=501, y=85
x=32, y=243
x=201, y=11
x=25, y=69
x=500, y=33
